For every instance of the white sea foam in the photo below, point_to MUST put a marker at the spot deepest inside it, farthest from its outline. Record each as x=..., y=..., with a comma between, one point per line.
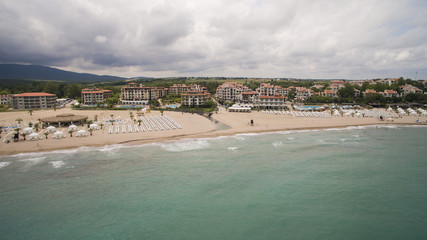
x=390, y=126
x=291, y=138
x=185, y=145
x=232, y=148
x=333, y=129
x=250, y=134
x=32, y=161
x=109, y=148
x=277, y=144
x=357, y=127
x=57, y=164
x=4, y=164
x=355, y=136
x=343, y=139
x=239, y=137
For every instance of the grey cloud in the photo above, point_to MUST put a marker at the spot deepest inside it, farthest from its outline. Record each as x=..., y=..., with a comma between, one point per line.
x=304, y=38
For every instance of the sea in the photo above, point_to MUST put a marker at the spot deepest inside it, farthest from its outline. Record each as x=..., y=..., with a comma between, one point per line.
x=365, y=182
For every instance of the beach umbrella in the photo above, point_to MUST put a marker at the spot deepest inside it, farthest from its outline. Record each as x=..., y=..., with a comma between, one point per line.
x=81, y=133
x=336, y=113
x=51, y=129
x=58, y=135
x=33, y=137
x=72, y=127
x=28, y=130
x=93, y=126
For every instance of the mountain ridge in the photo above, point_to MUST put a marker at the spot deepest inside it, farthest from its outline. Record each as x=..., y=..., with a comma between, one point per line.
x=39, y=72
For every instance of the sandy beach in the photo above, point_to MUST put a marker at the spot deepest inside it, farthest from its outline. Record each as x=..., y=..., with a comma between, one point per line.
x=193, y=126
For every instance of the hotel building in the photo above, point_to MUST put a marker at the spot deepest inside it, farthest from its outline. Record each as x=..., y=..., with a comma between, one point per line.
x=134, y=94
x=34, y=100
x=230, y=91
x=195, y=98
x=270, y=102
x=182, y=88
x=92, y=96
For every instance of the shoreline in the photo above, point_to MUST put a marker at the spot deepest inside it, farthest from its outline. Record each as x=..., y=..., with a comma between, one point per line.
x=213, y=134
x=193, y=126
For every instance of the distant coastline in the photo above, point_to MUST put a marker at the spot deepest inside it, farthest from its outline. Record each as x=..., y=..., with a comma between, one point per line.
x=193, y=126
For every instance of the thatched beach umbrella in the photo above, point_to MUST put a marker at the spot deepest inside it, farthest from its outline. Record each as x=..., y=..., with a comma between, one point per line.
x=51, y=129
x=34, y=137
x=81, y=133
x=28, y=130
x=72, y=127
x=58, y=135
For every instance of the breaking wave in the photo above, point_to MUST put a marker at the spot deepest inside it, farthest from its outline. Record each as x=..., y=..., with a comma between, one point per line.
x=185, y=145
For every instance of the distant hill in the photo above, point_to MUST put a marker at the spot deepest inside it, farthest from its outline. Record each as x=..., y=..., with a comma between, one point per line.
x=37, y=72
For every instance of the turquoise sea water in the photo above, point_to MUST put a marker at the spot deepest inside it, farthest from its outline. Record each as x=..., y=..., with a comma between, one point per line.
x=354, y=183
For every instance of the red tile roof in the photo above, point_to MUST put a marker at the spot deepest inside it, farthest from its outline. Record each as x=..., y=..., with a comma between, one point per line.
x=272, y=97
x=35, y=94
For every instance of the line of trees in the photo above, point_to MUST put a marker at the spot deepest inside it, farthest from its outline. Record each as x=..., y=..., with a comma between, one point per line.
x=62, y=90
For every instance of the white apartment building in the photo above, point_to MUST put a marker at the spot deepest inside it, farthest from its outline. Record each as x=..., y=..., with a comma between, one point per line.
x=230, y=91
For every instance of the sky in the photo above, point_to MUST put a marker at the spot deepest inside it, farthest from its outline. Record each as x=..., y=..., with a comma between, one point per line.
x=352, y=39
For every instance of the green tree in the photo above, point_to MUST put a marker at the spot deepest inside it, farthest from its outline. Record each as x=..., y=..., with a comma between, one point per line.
x=112, y=101
x=291, y=94
x=23, y=135
x=46, y=134
x=73, y=90
x=346, y=92
x=50, y=87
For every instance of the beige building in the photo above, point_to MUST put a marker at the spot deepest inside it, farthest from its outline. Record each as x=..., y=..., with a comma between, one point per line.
x=134, y=94
x=34, y=100
x=406, y=89
x=231, y=91
x=389, y=93
x=266, y=89
x=5, y=99
x=270, y=102
x=179, y=88
x=182, y=88
x=92, y=96
x=194, y=98
x=303, y=94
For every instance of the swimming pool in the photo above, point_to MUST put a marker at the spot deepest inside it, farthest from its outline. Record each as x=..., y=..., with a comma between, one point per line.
x=132, y=106
x=305, y=108
x=172, y=106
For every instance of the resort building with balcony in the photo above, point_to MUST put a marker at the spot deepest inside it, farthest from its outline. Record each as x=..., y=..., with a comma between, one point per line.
x=270, y=102
x=92, y=96
x=230, y=91
x=135, y=94
x=194, y=98
x=35, y=100
x=406, y=89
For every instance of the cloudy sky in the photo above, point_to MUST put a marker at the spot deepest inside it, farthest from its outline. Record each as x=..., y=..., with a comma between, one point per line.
x=353, y=39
